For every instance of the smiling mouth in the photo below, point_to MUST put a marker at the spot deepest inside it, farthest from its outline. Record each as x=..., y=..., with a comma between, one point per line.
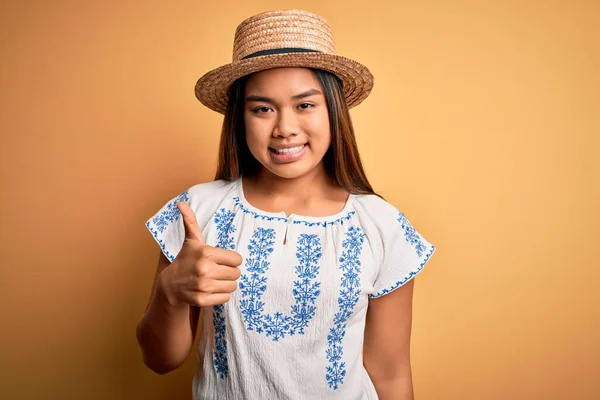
x=288, y=150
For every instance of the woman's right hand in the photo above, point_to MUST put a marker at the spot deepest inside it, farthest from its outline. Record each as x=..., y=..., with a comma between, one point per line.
x=200, y=275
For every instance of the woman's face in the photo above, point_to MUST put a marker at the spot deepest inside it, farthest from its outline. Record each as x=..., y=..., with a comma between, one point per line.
x=287, y=122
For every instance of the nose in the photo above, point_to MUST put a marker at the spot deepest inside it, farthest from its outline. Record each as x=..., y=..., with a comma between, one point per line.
x=287, y=124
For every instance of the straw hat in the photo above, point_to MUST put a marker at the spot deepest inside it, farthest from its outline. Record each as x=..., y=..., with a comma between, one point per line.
x=284, y=38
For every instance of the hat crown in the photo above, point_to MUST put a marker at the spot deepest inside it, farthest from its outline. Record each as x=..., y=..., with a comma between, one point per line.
x=282, y=29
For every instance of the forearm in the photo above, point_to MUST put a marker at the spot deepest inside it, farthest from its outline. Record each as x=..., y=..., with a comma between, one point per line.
x=165, y=334
x=399, y=388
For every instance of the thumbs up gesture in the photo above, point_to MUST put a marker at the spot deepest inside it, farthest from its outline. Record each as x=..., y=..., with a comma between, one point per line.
x=200, y=275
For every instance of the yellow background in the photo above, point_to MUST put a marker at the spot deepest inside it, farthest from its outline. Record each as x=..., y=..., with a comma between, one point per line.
x=483, y=128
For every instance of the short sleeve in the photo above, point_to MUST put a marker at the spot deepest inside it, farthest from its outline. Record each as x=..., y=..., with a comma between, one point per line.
x=405, y=253
x=166, y=226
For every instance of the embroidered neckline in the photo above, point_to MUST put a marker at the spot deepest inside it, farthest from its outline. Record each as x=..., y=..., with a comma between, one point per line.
x=338, y=218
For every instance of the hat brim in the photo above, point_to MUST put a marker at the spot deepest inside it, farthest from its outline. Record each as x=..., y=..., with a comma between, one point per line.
x=212, y=89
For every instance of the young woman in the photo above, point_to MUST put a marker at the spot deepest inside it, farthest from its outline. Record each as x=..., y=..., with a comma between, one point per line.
x=303, y=273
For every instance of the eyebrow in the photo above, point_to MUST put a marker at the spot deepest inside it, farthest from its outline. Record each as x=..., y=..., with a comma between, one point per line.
x=308, y=93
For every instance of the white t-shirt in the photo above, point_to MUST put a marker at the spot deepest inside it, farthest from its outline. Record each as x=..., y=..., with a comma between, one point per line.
x=294, y=327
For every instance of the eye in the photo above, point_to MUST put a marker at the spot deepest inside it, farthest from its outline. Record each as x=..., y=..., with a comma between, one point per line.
x=261, y=110
x=305, y=106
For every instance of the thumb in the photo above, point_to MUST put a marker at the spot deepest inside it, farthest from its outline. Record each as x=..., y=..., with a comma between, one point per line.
x=190, y=224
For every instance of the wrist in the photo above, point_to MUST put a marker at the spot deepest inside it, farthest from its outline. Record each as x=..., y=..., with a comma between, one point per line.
x=166, y=296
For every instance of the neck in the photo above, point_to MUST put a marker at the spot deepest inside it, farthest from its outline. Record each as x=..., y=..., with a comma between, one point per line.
x=314, y=183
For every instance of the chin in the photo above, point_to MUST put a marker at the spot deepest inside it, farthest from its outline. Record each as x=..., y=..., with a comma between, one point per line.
x=289, y=171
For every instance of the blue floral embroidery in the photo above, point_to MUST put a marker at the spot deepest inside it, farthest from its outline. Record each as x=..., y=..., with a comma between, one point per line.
x=411, y=234
x=225, y=229
x=160, y=222
x=220, y=353
x=324, y=224
x=253, y=285
x=306, y=288
x=277, y=325
x=256, y=215
x=349, y=296
x=413, y=238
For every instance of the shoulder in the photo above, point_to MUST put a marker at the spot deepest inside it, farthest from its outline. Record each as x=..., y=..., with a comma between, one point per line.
x=166, y=225
x=203, y=199
x=373, y=210
x=210, y=190
x=206, y=197
x=390, y=227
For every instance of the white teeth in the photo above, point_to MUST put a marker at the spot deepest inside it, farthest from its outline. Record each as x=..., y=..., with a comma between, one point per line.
x=290, y=150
